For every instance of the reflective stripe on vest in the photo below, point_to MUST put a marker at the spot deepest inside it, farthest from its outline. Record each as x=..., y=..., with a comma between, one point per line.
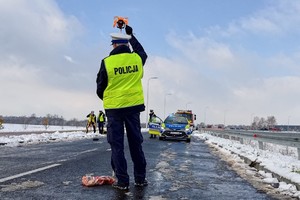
x=124, y=87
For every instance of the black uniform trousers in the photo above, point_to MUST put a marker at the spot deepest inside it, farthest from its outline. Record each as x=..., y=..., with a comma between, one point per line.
x=115, y=137
x=101, y=127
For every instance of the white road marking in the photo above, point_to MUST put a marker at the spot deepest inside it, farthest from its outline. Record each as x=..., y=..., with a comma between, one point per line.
x=26, y=173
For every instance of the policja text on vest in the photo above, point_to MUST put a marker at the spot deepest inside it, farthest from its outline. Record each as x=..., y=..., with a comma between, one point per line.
x=125, y=70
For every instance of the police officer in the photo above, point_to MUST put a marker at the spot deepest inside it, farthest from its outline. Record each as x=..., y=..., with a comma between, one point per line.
x=101, y=121
x=91, y=122
x=119, y=85
x=151, y=119
x=151, y=115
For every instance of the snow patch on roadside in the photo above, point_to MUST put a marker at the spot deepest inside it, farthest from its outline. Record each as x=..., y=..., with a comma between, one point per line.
x=19, y=140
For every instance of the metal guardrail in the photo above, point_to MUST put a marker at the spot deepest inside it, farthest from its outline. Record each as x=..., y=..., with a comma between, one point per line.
x=290, y=139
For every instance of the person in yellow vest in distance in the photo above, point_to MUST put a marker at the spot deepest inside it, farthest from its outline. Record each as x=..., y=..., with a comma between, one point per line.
x=101, y=121
x=91, y=122
x=152, y=117
x=1, y=122
x=119, y=86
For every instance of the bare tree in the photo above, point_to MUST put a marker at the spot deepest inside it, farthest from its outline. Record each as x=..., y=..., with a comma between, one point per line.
x=255, y=123
x=271, y=121
x=262, y=123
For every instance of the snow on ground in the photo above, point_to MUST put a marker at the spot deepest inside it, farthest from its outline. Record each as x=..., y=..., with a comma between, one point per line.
x=72, y=133
x=277, y=159
x=30, y=128
x=274, y=159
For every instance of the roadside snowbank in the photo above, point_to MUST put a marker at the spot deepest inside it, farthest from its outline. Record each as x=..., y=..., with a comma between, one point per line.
x=286, y=166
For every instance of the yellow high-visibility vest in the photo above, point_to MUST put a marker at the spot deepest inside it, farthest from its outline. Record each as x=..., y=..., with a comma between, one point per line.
x=91, y=119
x=101, y=117
x=124, y=87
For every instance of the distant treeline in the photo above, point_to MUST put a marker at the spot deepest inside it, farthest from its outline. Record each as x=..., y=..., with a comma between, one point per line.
x=49, y=120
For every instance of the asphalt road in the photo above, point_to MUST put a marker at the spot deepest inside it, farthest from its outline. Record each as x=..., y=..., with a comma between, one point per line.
x=176, y=170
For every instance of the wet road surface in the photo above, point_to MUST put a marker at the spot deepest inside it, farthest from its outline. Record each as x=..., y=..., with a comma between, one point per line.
x=176, y=170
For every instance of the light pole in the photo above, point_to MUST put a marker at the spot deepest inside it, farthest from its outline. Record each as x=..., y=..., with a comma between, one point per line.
x=165, y=104
x=186, y=105
x=151, y=78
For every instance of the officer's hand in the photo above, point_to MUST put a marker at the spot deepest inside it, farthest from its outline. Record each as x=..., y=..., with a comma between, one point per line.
x=128, y=30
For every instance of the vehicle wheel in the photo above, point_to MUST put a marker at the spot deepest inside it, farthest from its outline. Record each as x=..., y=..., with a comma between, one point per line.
x=161, y=138
x=188, y=140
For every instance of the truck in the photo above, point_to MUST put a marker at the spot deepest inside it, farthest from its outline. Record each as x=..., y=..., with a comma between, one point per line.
x=189, y=115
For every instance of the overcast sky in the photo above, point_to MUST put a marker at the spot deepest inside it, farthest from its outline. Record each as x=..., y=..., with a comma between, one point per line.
x=228, y=61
